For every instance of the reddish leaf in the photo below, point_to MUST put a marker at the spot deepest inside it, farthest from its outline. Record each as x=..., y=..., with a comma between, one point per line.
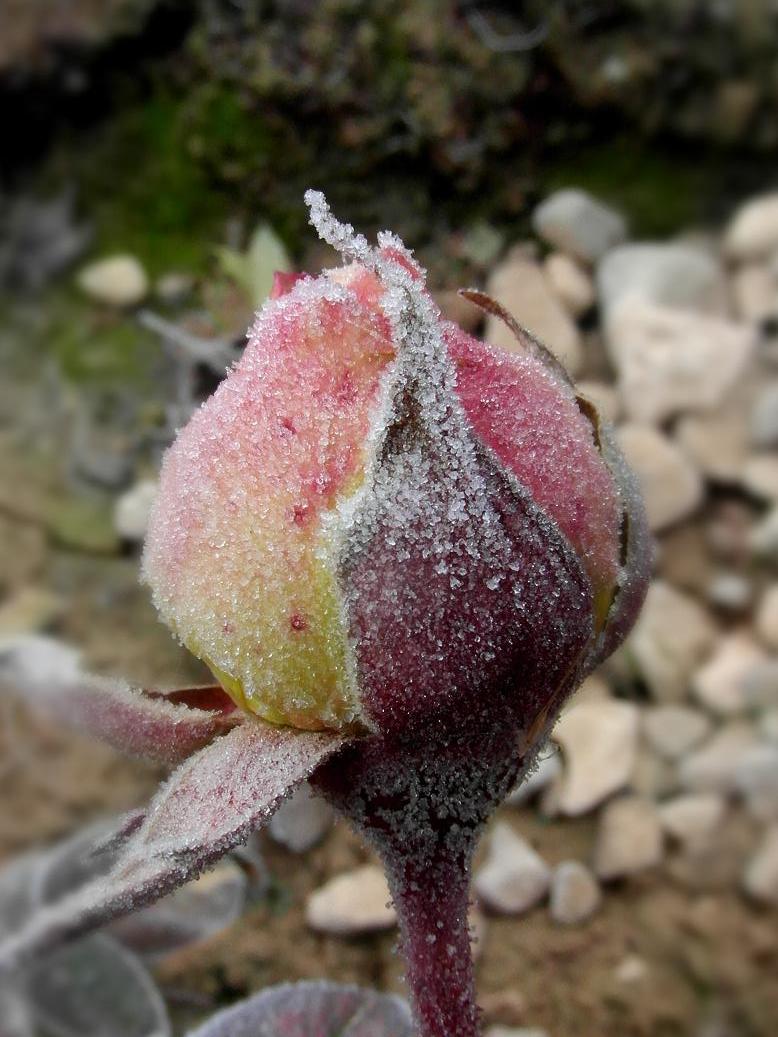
x=209, y=805
x=164, y=726
x=312, y=1010
x=136, y=723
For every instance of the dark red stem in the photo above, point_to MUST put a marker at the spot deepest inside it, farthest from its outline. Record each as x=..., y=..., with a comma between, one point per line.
x=421, y=804
x=432, y=898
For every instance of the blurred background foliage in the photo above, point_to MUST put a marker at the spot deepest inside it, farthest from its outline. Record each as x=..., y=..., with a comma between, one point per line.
x=411, y=112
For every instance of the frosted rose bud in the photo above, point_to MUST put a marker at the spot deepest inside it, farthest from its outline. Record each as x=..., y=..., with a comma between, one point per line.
x=378, y=521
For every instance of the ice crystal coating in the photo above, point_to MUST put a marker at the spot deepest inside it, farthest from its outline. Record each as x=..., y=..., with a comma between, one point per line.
x=377, y=519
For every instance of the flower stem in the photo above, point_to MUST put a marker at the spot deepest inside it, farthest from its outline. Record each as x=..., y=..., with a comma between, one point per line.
x=432, y=897
x=421, y=804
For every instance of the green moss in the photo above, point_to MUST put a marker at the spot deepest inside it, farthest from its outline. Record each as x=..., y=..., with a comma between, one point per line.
x=660, y=191
x=93, y=346
x=155, y=200
x=142, y=183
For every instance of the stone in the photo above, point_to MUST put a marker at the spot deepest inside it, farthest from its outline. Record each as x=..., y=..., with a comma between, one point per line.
x=755, y=293
x=29, y=610
x=599, y=742
x=631, y=969
x=759, y=477
x=673, y=731
x=760, y=685
x=672, y=486
x=716, y=443
x=671, y=361
x=571, y=284
x=174, y=287
x=674, y=275
x=514, y=877
x=482, y=243
x=729, y=525
x=763, y=423
x=41, y=236
x=356, y=902
x=132, y=509
x=684, y=560
x=518, y=284
x=731, y=592
x=515, y=1031
x=604, y=397
x=721, y=684
x=508, y=1005
x=713, y=766
x=763, y=537
x=767, y=616
x=118, y=281
x=760, y=879
x=693, y=819
x=756, y=780
x=546, y=769
x=672, y=636
x=653, y=776
x=629, y=838
x=595, y=688
x=768, y=725
x=301, y=821
x=579, y=225
x=575, y=893
x=752, y=232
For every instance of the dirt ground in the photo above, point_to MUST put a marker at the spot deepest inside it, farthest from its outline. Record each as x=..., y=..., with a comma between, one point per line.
x=659, y=959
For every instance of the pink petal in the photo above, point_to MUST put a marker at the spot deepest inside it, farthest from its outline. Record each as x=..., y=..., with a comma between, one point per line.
x=529, y=417
x=209, y=805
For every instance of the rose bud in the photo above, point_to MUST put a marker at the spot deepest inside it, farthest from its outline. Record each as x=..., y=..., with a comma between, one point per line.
x=378, y=521
x=398, y=549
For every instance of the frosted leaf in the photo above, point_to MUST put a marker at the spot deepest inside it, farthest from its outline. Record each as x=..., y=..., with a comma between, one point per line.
x=196, y=911
x=255, y=268
x=87, y=855
x=95, y=988
x=17, y=890
x=15, y=1016
x=312, y=1009
x=209, y=805
x=150, y=724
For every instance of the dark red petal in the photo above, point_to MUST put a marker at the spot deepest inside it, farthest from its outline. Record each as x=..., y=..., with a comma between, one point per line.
x=465, y=601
